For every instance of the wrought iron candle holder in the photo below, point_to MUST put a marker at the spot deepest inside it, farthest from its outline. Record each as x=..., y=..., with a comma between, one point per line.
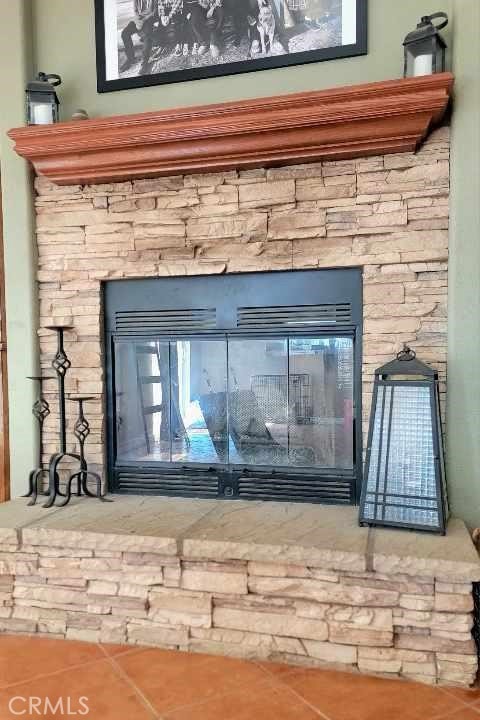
x=61, y=364
x=81, y=432
x=40, y=410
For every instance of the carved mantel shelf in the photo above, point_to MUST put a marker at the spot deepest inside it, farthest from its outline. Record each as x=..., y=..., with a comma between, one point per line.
x=361, y=120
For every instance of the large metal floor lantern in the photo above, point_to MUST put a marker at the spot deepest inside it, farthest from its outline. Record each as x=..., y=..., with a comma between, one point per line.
x=404, y=482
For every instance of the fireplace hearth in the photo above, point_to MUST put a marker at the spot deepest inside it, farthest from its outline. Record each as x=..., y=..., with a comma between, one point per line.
x=242, y=386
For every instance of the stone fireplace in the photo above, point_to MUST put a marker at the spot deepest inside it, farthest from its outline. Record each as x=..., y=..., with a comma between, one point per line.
x=233, y=276
x=386, y=216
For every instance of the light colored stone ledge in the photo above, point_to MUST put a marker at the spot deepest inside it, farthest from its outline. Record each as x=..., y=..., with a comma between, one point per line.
x=322, y=538
x=394, y=623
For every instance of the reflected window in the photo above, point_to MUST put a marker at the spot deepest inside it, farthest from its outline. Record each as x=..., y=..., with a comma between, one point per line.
x=142, y=382
x=198, y=370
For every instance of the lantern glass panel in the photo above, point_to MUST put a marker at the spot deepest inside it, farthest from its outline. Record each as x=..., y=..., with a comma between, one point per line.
x=420, y=57
x=42, y=108
x=40, y=113
x=401, y=482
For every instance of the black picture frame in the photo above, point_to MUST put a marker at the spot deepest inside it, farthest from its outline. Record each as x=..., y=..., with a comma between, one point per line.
x=105, y=85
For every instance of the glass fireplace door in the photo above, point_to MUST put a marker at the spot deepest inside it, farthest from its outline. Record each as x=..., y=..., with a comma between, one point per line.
x=240, y=385
x=236, y=401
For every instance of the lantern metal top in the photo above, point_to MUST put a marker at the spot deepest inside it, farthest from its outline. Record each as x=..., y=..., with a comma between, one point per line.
x=406, y=363
x=44, y=83
x=426, y=29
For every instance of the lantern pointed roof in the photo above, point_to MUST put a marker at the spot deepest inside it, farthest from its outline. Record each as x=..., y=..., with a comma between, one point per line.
x=406, y=363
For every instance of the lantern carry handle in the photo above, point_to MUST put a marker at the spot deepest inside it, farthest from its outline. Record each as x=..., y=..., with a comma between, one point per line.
x=427, y=19
x=52, y=78
x=406, y=354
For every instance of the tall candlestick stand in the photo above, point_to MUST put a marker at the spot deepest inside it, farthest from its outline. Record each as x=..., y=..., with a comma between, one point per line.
x=61, y=364
x=40, y=410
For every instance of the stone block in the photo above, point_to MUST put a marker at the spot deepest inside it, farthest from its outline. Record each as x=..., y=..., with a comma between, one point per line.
x=384, y=219
x=381, y=660
x=234, y=583
x=177, y=607
x=383, y=293
x=322, y=592
x=330, y=652
x=294, y=225
x=246, y=225
x=429, y=643
x=158, y=185
x=113, y=630
x=453, y=603
x=453, y=588
x=360, y=626
x=149, y=633
x=172, y=576
x=84, y=635
x=72, y=219
x=271, y=623
x=99, y=587
x=17, y=625
x=416, y=602
x=100, y=541
x=261, y=194
x=316, y=190
x=52, y=595
x=310, y=170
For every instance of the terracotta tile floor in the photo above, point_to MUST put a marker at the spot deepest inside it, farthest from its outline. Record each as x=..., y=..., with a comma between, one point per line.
x=64, y=679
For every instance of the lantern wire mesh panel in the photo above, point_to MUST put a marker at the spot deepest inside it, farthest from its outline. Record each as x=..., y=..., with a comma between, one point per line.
x=404, y=482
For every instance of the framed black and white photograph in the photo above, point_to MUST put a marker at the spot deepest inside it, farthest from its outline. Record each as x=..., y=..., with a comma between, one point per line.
x=151, y=42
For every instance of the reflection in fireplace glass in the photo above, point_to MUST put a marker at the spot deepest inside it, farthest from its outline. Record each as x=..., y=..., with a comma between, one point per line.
x=199, y=384
x=283, y=401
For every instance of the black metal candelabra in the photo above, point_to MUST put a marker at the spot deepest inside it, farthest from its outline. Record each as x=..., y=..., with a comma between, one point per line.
x=40, y=410
x=82, y=431
x=61, y=364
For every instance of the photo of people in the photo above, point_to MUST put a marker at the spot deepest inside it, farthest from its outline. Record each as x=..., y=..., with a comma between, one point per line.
x=169, y=40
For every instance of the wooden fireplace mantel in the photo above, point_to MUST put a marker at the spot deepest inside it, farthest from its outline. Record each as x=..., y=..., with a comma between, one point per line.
x=361, y=120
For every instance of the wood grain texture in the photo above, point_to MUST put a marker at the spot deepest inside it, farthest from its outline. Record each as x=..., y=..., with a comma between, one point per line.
x=354, y=121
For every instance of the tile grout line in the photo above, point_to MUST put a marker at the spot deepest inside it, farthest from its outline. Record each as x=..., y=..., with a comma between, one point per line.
x=463, y=706
x=468, y=703
x=213, y=698
x=200, y=703
x=297, y=695
x=120, y=672
x=294, y=668
x=43, y=676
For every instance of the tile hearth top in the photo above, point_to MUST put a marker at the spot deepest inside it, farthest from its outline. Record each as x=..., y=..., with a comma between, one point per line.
x=291, y=533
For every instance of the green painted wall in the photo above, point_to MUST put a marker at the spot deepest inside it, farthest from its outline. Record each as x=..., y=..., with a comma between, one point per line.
x=20, y=286
x=463, y=417
x=63, y=41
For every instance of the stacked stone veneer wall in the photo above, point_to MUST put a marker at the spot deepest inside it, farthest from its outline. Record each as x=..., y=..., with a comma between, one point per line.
x=151, y=591
x=388, y=215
